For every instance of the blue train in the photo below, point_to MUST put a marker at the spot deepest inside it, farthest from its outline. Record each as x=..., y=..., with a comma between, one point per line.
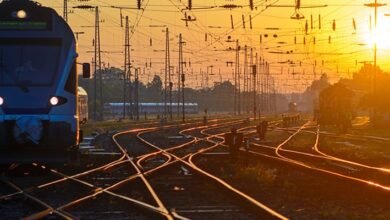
x=38, y=80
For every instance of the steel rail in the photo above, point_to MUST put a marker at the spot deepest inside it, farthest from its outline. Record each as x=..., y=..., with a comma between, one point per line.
x=218, y=180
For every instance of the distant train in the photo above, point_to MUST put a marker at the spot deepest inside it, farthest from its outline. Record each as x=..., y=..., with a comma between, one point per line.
x=292, y=107
x=115, y=110
x=38, y=80
x=82, y=105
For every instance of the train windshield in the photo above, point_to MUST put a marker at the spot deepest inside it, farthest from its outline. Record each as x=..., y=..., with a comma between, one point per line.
x=29, y=62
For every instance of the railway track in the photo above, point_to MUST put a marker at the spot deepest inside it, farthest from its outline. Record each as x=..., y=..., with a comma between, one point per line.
x=313, y=158
x=152, y=181
x=301, y=167
x=188, y=167
x=98, y=185
x=48, y=184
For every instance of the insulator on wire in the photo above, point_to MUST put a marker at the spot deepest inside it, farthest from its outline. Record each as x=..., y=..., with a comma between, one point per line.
x=329, y=39
x=243, y=21
x=334, y=25
x=205, y=37
x=231, y=21
x=314, y=40
x=121, y=16
x=251, y=6
x=311, y=22
x=295, y=40
x=319, y=21
x=261, y=39
x=84, y=7
x=354, y=24
x=189, y=4
x=139, y=4
x=304, y=41
x=151, y=42
x=306, y=27
x=250, y=21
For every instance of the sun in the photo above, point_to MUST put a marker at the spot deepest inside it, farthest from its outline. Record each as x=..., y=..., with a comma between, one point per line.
x=380, y=36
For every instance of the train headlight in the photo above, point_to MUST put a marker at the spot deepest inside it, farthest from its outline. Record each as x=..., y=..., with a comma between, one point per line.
x=1, y=101
x=57, y=100
x=54, y=101
x=21, y=14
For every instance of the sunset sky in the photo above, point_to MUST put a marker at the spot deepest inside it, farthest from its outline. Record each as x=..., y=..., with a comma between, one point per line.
x=340, y=56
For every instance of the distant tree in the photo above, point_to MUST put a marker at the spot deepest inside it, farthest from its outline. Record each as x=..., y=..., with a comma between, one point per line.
x=155, y=89
x=112, y=73
x=219, y=97
x=312, y=92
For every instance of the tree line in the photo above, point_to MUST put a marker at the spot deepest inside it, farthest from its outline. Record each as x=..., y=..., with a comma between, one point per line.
x=218, y=98
x=366, y=93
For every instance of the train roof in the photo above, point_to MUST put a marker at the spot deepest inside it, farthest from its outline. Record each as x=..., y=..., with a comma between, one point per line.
x=81, y=91
x=29, y=19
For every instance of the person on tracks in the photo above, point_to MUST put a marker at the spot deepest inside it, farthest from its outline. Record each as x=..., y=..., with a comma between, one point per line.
x=261, y=130
x=235, y=143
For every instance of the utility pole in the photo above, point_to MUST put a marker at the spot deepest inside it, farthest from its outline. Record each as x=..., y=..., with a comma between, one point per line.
x=274, y=94
x=257, y=84
x=126, y=66
x=136, y=97
x=100, y=65
x=130, y=108
x=170, y=92
x=181, y=76
x=245, y=104
x=267, y=87
x=167, y=70
x=375, y=5
x=262, y=85
x=236, y=70
x=65, y=13
x=254, y=71
x=97, y=68
x=250, y=76
x=179, y=71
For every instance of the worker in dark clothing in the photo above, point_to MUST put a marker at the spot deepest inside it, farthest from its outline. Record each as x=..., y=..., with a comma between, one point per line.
x=259, y=131
x=205, y=116
x=234, y=141
x=264, y=128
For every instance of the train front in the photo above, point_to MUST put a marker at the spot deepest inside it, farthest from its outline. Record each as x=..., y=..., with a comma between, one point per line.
x=38, y=79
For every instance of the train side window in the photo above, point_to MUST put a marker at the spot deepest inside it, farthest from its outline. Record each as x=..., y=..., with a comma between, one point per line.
x=71, y=82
